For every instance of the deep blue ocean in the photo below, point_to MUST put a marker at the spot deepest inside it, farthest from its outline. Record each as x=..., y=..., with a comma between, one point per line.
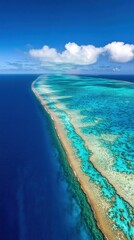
x=35, y=199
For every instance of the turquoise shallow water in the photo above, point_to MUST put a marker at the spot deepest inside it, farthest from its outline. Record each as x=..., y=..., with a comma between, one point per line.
x=108, y=106
x=93, y=97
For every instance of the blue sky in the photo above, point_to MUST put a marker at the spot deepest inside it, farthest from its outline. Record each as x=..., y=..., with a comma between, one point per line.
x=27, y=25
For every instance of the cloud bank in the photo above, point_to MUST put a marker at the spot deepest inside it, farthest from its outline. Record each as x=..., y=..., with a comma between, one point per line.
x=120, y=52
x=85, y=54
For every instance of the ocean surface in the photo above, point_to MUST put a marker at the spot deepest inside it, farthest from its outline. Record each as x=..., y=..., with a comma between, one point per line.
x=36, y=199
x=98, y=118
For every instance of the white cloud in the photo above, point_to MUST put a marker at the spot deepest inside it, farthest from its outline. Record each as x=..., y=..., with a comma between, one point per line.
x=80, y=55
x=84, y=54
x=116, y=69
x=73, y=54
x=120, y=52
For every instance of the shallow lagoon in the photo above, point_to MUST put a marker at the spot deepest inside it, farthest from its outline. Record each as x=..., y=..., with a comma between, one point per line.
x=100, y=109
